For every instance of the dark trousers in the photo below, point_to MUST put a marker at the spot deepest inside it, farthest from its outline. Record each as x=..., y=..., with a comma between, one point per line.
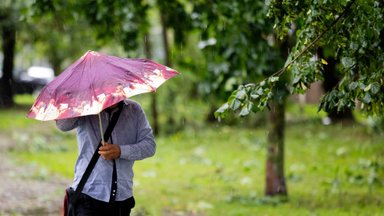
x=87, y=206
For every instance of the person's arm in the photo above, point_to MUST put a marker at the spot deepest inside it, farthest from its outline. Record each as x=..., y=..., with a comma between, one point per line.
x=145, y=146
x=67, y=124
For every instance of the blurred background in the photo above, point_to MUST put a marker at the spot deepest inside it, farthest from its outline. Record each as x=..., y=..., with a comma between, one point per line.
x=278, y=109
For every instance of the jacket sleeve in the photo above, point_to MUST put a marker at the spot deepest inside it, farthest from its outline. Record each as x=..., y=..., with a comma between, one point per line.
x=67, y=124
x=145, y=146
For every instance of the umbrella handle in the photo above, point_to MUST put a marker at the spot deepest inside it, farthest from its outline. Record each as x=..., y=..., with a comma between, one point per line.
x=101, y=129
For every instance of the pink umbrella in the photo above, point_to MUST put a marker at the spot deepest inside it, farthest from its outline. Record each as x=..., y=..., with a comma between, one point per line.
x=95, y=82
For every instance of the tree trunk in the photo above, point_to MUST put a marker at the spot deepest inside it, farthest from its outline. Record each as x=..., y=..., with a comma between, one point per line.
x=172, y=95
x=9, y=42
x=275, y=180
x=275, y=176
x=331, y=80
x=155, y=114
x=168, y=61
x=155, y=118
x=55, y=61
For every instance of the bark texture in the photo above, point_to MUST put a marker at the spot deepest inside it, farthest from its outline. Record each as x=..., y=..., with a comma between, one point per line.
x=9, y=42
x=275, y=178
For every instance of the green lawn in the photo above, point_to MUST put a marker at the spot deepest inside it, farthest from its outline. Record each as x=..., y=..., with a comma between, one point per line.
x=219, y=170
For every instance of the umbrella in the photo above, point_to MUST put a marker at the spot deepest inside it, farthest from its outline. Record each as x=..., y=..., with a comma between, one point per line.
x=97, y=81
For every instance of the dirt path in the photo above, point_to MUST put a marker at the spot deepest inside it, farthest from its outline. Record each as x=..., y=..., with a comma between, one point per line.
x=27, y=189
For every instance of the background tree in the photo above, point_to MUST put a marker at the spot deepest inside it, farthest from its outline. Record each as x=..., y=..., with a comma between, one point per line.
x=8, y=25
x=240, y=47
x=352, y=28
x=173, y=16
x=331, y=76
x=55, y=30
x=121, y=21
x=44, y=26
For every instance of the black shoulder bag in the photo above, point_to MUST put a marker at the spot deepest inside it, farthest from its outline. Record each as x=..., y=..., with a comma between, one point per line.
x=71, y=196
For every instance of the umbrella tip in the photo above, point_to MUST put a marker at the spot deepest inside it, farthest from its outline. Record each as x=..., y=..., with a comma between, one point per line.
x=92, y=53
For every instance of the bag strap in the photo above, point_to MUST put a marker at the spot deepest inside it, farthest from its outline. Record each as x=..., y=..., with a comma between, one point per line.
x=96, y=154
x=112, y=196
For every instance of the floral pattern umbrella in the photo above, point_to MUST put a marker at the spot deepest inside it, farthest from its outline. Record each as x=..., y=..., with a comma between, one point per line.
x=97, y=81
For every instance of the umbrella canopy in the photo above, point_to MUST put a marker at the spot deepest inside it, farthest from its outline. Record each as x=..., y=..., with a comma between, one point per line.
x=95, y=82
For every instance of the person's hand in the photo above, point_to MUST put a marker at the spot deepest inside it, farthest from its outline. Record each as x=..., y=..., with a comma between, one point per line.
x=109, y=151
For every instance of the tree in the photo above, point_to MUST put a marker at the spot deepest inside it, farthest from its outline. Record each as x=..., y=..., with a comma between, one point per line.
x=354, y=28
x=154, y=108
x=240, y=47
x=8, y=25
x=173, y=16
x=125, y=22
x=57, y=32
x=331, y=79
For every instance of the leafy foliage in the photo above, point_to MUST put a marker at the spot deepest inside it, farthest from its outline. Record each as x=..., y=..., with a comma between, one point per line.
x=9, y=13
x=352, y=31
x=237, y=42
x=247, y=98
x=47, y=27
x=121, y=20
x=176, y=17
x=356, y=42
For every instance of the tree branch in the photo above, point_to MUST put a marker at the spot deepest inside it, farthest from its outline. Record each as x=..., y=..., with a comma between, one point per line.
x=342, y=15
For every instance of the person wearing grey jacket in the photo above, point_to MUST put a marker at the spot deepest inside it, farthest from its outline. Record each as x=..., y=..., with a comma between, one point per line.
x=132, y=139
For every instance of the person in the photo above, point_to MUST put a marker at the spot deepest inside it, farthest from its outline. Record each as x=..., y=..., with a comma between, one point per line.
x=132, y=139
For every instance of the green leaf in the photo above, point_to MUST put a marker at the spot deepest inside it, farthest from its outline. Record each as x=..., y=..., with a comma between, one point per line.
x=367, y=98
x=362, y=86
x=222, y=109
x=235, y=104
x=254, y=96
x=340, y=105
x=273, y=79
x=221, y=112
x=347, y=62
x=246, y=109
x=296, y=79
x=257, y=93
x=241, y=94
x=375, y=88
x=353, y=86
x=367, y=88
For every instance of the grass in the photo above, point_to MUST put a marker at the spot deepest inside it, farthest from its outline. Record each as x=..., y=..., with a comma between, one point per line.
x=219, y=170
